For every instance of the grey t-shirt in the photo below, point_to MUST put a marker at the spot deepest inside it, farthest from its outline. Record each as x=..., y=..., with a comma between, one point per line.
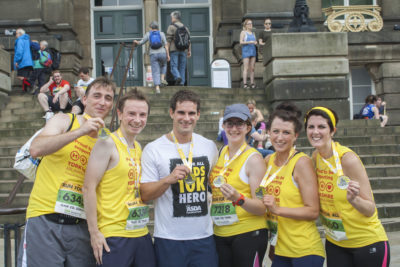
x=146, y=38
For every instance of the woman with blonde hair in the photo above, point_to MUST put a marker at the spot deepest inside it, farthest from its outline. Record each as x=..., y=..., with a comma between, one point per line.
x=248, y=42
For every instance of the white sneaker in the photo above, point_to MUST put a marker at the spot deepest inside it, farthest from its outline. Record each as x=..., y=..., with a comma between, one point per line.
x=48, y=115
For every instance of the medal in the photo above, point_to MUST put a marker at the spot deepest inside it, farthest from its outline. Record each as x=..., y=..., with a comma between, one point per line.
x=189, y=179
x=260, y=192
x=343, y=182
x=220, y=180
x=103, y=133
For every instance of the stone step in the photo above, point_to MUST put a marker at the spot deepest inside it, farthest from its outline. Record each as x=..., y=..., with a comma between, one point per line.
x=7, y=185
x=363, y=131
x=380, y=159
x=388, y=210
x=358, y=140
x=383, y=170
x=36, y=123
x=391, y=224
x=363, y=149
x=358, y=123
x=20, y=200
x=387, y=196
x=385, y=182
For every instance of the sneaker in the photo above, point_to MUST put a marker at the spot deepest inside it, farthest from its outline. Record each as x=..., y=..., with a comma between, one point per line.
x=178, y=81
x=164, y=83
x=158, y=91
x=48, y=115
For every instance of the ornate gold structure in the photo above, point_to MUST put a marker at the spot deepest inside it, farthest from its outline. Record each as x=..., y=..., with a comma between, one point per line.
x=353, y=18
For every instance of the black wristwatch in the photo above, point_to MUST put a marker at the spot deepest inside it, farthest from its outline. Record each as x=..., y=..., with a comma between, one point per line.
x=240, y=201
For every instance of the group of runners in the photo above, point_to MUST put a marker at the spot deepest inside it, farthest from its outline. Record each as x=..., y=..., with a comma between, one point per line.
x=89, y=203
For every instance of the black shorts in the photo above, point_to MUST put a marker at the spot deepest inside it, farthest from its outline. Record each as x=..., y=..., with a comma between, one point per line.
x=78, y=103
x=56, y=106
x=24, y=72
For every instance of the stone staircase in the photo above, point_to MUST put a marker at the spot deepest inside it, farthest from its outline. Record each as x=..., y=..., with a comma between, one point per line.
x=379, y=148
x=22, y=117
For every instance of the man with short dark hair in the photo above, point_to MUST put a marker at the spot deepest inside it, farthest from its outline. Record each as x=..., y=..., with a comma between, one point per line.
x=117, y=217
x=59, y=98
x=56, y=232
x=178, y=57
x=176, y=167
x=80, y=88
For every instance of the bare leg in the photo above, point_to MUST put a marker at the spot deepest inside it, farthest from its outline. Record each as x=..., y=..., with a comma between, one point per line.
x=384, y=120
x=42, y=98
x=76, y=110
x=251, y=69
x=63, y=101
x=245, y=68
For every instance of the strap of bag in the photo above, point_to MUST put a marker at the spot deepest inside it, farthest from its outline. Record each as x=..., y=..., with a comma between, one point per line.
x=72, y=122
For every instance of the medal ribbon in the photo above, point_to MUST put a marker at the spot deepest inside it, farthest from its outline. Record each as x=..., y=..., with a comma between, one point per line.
x=228, y=161
x=338, y=168
x=134, y=160
x=188, y=162
x=266, y=181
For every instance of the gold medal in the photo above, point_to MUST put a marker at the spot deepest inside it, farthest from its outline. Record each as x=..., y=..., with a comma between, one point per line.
x=343, y=182
x=103, y=133
x=220, y=180
x=189, y=179
x=260, y=192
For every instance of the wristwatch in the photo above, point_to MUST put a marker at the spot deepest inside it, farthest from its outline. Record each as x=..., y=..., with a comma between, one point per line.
x=239, y=201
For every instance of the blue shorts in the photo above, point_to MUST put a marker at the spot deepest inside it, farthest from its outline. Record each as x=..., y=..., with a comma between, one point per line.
x=183, y=253
x=129, y=252
x=306, y=261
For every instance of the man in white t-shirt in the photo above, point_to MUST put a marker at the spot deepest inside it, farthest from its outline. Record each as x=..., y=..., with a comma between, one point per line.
x=177, y=180
x=80, y=89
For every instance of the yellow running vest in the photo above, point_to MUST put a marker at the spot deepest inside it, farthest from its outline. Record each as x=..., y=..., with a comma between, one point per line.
x=342, y=221
x=66, y=165
x=296, y=238
x=115, y=188
x=247, y=222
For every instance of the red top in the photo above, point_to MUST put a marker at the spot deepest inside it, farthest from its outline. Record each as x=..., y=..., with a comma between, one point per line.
x=54, y=88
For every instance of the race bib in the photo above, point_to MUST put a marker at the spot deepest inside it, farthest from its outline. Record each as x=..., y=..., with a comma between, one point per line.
x=138, y=215
x=70, y=200
x=333, y=228
x=223, y=213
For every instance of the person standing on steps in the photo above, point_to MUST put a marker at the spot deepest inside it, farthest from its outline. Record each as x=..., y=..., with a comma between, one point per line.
x=248, y=42
x=179, y=47
x=23, y=62
x=354, y=234
x=117, y=217
x=159, y=55
x=56, y=232
x=176, y=167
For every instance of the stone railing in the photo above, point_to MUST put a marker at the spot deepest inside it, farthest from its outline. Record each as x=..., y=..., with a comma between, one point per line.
x=352, y=18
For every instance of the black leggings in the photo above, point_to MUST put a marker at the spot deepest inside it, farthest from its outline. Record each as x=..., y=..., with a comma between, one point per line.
x=241, y=250
x=374, y=255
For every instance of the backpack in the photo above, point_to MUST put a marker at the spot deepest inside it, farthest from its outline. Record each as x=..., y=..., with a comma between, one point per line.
x=35, y=48
x=155, y=39
x=55, y=55
x=45, y=59
x=182, y=38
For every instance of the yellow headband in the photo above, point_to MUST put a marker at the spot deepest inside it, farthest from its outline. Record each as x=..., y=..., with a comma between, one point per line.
x=327, y=111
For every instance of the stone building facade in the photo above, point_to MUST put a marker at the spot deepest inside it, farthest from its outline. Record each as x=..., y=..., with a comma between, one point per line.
x=335, y=69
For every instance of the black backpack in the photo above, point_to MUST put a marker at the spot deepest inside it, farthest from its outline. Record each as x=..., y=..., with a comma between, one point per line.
x=55, y=57
x=182, y=38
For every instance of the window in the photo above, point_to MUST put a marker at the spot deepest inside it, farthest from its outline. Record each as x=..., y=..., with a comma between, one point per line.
x=117, y=2
x=361, y=85
x=184, y=1
x=328, y=3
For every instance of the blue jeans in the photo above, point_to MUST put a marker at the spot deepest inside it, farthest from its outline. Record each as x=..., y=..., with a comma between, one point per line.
x=158, y=63
x=178, y=65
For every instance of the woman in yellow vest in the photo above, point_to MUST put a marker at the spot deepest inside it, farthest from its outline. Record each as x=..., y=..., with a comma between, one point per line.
x=354, y=234
x=240, y=228
x=290, y=192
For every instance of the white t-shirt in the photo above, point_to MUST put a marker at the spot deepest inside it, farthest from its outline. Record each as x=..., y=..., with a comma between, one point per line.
x=182, y=212
x=84, y=84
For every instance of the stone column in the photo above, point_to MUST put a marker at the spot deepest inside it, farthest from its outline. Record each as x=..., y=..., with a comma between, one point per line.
x=309, y=69
x=5, y=80
x=388, y=88
x=150, y=14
